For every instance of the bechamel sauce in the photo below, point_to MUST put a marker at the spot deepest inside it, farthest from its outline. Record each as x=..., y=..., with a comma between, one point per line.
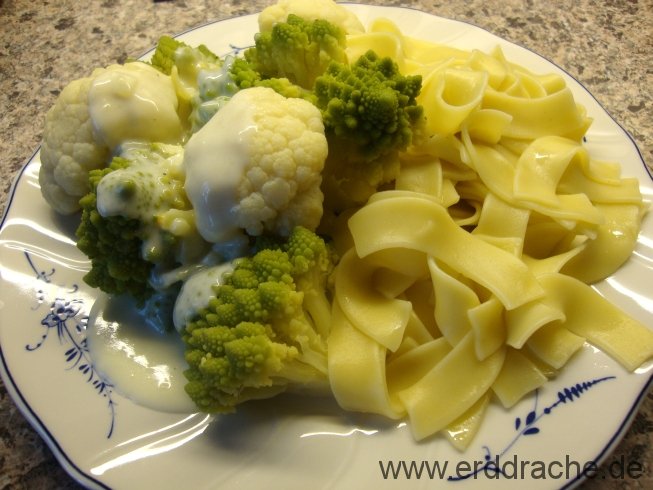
x=215, y=158
x=142, y=363
x=134, y=101
x=148, y=169
x=215, y=89
x=196, y=291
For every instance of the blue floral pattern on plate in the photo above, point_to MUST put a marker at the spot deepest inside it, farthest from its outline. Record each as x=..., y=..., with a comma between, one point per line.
x=527, y=426
x=67, y=318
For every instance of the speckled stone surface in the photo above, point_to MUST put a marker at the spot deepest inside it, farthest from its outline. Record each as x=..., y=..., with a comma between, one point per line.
x=607, y=45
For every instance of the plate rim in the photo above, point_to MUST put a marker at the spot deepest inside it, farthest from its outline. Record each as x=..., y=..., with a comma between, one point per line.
x=82, y=477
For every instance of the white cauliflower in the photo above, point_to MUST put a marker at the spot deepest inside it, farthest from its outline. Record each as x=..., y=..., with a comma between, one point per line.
x=69, y=150
x=93, y=116
x=256, y=166
x=315, y=9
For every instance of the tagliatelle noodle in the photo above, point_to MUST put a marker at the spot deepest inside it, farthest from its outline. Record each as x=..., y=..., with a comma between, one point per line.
x=537, y=105
x=488, y=327
x=546, y=238
x=427, y=177
x=497, y=214
x=552, y=263
x=451, y=152
x=597, y=188
x=391, y=283
x=421, y=296
x=499, y=219
x=613, y=245
x=405, y=261
x=405, y=370
x=554, y=344
x=462, y=430
x=449, y=97
x=540, y=167
x=419, y=224
x=411, y=55
x=487, y=125
x=384, y=319
x=450, y=388
x=590, y=315
x=416, y=329
x=357, y=369
x=522, y=322
x=454, y=299
x=534, y=117
x=518, y=376
x=498, y=171
x=415, y=335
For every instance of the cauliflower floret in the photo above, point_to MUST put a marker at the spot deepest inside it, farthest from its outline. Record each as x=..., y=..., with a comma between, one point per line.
x=93, y=116
x=69, y=150
x=315, y=9
x=256, y=166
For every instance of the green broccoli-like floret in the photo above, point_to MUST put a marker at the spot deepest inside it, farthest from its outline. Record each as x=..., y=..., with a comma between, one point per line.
x=136, y=220
x=171, y=52
x=265, y=329
x=202, y=79
x=113, y=245
x=298, y=50
x=370, y=115
x=370, y=103
x=244, y=75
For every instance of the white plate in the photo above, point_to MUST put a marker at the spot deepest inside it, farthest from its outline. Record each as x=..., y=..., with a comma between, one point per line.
x=106, y=441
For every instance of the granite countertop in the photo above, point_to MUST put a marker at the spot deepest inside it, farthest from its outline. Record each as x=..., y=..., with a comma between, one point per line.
x=607, y=45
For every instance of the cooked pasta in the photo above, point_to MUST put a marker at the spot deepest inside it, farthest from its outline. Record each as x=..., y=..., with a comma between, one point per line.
x=470, y=279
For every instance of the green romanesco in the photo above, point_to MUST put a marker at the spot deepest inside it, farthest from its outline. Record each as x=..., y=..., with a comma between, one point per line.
x=202, y=79
x=171, y=52
x=266, y=328
x=136, y=220
x=113, y=245
x=370, y=115
x=297, y=49
x=244, y=75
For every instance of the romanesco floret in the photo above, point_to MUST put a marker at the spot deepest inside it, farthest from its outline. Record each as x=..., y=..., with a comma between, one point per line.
x=244, y=75
x=113, y=245
x=297, y=49
x=137, y=221
x=260, y=335
x=370, y=103
x=201, y=78
x=370, y=114
x=256, y=166
x=171, y=52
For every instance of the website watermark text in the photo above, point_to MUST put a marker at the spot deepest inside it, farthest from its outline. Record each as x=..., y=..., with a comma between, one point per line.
x=618, y=468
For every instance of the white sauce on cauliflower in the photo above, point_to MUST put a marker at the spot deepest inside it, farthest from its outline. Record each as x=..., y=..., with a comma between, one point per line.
x=256, y=166
x=215, y=159
x=134, y=102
